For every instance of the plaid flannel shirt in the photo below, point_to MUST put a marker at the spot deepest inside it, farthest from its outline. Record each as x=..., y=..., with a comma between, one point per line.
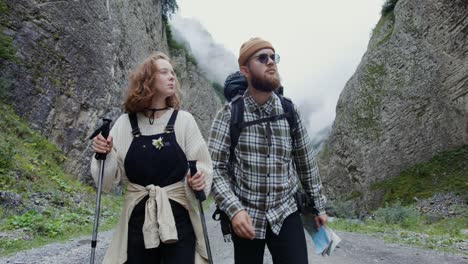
x=265, y=167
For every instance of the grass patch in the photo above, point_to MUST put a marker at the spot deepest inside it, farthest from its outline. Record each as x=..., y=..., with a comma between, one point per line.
x=385, y=24
x=50, y=205
x=208, y=202
x=401, y=220
x=404, y=224
x=7, y=51
x=6, y=82
x=35, y=229
x=445, y=172
x=397, y=214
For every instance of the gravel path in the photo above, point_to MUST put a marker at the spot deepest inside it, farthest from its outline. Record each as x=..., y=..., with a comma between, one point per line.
x=354, y=249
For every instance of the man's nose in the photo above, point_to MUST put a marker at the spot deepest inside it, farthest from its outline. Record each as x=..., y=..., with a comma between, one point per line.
x=270, y=61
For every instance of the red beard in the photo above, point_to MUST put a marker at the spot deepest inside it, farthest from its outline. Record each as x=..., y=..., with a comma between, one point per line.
x=265, y=83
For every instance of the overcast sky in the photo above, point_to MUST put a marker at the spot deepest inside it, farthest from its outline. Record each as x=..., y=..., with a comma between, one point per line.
x=320, y=42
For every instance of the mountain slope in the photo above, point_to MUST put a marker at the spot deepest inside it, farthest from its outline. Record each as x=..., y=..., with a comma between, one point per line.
x=73, y=63
x=406, y=102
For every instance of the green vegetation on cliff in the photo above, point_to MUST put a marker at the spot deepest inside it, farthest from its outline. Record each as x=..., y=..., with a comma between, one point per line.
x=176, y=47
x=405, y=224
x=219, y=89
x=384, y=28
x=407, y=217
x=371, y=93
x=7, y=51
x=425, y=204
x=39, y=202
x=388, y=7
x=169, y=7
x=445, y=172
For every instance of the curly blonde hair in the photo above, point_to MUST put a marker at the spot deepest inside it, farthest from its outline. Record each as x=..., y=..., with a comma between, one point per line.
x=141, y=86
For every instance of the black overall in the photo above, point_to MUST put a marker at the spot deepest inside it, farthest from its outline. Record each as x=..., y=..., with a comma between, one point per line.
x=145, y=164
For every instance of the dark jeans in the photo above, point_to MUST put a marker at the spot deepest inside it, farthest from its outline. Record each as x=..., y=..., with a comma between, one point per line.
x=181, y=252
x=287, y=247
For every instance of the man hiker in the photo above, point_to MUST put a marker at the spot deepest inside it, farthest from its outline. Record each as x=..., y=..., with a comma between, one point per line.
x=255, y=183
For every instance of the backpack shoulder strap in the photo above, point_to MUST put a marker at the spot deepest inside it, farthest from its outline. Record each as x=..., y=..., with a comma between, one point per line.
x=134, y=123
x=237, y=120
x=291, y=115
x=235, y=125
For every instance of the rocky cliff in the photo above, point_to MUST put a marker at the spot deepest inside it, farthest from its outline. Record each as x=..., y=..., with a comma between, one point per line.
x=407, y=100
x=73, y=62
x=199, y=98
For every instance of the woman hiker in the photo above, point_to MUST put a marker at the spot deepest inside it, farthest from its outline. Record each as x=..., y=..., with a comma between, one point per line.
x=148, y=148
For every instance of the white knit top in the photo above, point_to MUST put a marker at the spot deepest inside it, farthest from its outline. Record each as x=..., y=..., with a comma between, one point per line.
x=188, y=137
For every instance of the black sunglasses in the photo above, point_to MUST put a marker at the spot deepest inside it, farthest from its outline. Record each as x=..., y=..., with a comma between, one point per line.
x=263, y=58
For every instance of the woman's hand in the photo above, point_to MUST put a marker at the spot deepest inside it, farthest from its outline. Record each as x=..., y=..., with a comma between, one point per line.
x=102, y=145
x=197, y=181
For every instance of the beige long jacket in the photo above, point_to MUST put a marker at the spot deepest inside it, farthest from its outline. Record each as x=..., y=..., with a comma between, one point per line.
x=160, y=229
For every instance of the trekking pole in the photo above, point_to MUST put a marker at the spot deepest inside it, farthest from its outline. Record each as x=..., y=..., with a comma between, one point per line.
x=201, y=197
x=104, y=130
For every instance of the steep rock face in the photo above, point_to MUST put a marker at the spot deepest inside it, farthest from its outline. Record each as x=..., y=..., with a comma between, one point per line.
x=197, y=94
x=407, y=101
x=74, y=61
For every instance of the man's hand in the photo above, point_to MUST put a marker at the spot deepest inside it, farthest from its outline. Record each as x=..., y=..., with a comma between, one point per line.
x=242, y=225
x=321, y=220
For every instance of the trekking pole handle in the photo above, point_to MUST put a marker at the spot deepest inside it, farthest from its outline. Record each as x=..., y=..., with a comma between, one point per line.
x=193, y=170
x=104, y=131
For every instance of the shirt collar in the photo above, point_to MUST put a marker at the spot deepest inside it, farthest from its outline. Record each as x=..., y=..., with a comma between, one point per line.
x=251, y=105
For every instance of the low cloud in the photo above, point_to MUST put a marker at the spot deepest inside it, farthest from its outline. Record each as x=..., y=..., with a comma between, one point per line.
x=320, y=43
x=213, y=58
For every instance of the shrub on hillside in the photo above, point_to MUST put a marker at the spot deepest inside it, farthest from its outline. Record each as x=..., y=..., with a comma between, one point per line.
x=176, y=47
x=388, y=6
x=219, y=89
x=169, y=7
x=6, y=154
x=397, y=214
x=343, y=209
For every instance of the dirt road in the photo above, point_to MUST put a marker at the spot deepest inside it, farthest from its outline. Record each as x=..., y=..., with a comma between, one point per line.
x=354, y=249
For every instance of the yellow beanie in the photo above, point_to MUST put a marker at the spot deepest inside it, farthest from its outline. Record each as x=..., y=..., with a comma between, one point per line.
x=250, y=47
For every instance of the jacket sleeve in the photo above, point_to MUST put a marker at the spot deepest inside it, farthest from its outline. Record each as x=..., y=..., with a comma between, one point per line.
x=306, y=166
x=196, y=149
x=218, y=144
